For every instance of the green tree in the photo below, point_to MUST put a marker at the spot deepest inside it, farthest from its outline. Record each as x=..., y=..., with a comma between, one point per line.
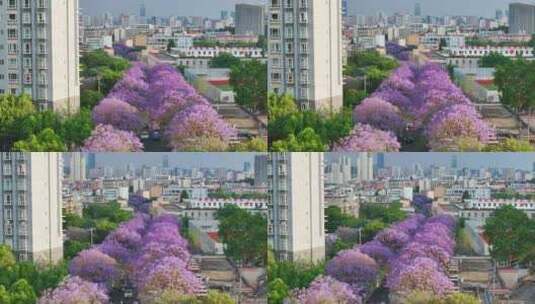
x=224, y=60
x=184, y=195
x=22, y=293
x=13, y=111
x=510, y=145
x=171, y=44
x=352, y=97
x=511, y=233
x=295, y=275
x=46, y=141
x=280, y=106
x=90, y=98
x=249, y=80
x=7, y=259
x=244, y=235
x=5, y=297
x=77, y=128
x=306, y=141
x=215, y=297
x=336, y=218
x=256, y=144
x=72, y=247
x=493, y=60
x=277, y=291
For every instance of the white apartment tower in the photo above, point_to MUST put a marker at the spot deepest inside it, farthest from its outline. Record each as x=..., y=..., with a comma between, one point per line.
x=77, y=167
x=296, y=207
x=39, y=54
x=30, y=205
x=305, y=52
x=365, y=166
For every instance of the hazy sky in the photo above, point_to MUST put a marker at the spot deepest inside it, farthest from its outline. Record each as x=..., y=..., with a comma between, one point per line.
x=471, y=160
x=182, y=160
x=206, y=8
x=211, y=8
x=486, y=8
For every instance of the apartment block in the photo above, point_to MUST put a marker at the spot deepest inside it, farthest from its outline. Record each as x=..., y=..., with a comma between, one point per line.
x=305, y=52
x=39, y=44
x=296, y=207
x=31, y=205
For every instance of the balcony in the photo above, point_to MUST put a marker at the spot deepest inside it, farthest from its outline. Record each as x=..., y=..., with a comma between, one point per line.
x=41, y=4
x=22, y=187
x=8, y=187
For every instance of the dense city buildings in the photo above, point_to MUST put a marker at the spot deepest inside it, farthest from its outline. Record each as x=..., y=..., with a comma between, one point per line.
x=31, y=205
x=305, y=52
x=522, y=18
x=296, y=215
x=40, y=53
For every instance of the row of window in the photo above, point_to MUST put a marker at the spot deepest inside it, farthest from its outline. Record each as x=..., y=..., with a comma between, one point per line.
x=13, y=4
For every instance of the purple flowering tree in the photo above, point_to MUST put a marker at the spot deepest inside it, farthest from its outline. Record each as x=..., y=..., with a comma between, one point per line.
x=379, y=114
x=74, y=290
x=393, y=239
x=199, y=128
x=365, y=138
x=121, y=115
x=327, y=290
x=106, y=138
x=94, y=266
x=354, y=268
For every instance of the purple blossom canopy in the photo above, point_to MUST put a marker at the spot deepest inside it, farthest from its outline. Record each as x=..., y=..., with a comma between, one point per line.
x=422, y=274
x=393, y=239
x=199, y=128
x=168, y=273
x=74, y=290
x=378, y=251
x=121, y=115
x=354, y=268
x=94, y=266
x=456, y=123
x=379, y=114
x=326, y=290
x=365, y=138
x=106, y=138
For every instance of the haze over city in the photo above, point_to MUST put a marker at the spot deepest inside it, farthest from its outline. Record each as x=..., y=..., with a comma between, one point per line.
x=469, y=160
x=182, y=160
x=163, y=7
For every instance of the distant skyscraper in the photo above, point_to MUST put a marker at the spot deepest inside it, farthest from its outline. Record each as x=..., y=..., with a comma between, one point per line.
x=165, y=161
x=345, y=8
x=249, y=19
x=224, y=15
x=418, y=10
x=91, y=161
x=39, y=53
x=365, y=166
x=31, y=204
x=521, y=18
x=247, y=167
x=260, y=170
x=296, y=208
x=454, y=162
x=380, y=160
x=305, y=52
x=499, y=14
x=143, y=10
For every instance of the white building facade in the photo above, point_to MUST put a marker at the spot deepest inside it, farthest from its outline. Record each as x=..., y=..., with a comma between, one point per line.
x=305, y=52
x=40, y=40
x=296, y=217
x=31, y=205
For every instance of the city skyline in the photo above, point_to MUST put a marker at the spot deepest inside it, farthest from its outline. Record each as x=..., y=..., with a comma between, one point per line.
x=470, y=160
x=182, y=160
x=203, y=8
x=486, y=8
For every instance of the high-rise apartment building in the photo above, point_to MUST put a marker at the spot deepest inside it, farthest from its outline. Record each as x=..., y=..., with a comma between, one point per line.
x=260, y=170
x=365, y=166
x=40, y=52
x=521, y=18
x=31, y=205
x=418, y=10
x=305, y=52
x=296, y=207
x=77, y=167
x=250, y=19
